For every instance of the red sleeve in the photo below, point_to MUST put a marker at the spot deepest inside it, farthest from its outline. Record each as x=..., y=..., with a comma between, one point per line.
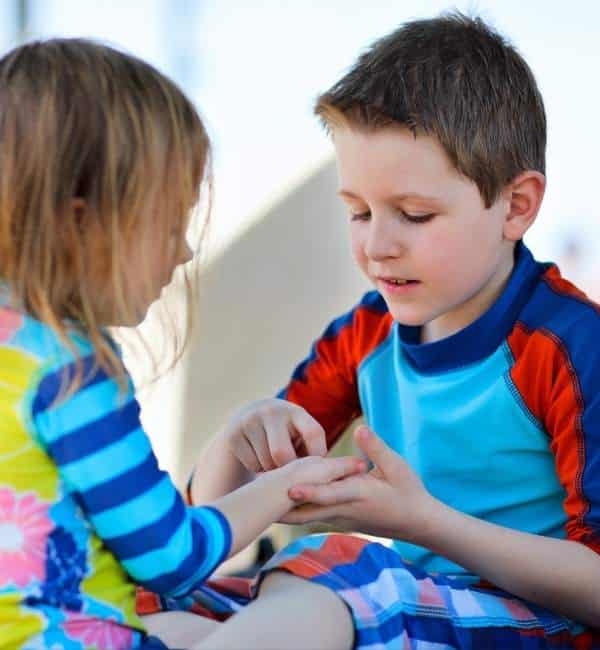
x=557, y=373
x=325, y=383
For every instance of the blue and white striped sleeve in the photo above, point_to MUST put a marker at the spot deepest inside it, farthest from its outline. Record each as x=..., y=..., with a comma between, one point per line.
x=103, y=454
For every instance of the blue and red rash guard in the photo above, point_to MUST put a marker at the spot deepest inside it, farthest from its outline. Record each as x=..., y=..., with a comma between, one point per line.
x=500, y=420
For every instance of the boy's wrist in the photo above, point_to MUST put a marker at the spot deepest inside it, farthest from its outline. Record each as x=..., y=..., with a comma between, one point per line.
x=432, y=514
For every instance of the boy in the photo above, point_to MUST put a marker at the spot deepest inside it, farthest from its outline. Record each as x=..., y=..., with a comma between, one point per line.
x=472, y=361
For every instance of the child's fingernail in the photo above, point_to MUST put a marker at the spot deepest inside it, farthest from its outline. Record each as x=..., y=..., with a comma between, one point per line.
x=295, y=493
x=362, y=432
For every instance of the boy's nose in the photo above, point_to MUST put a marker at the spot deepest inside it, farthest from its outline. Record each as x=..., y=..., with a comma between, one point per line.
x=382, y=241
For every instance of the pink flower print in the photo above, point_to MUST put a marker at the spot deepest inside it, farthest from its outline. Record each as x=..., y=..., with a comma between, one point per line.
x=24, y=529
x=10, y=322
x=97, y=633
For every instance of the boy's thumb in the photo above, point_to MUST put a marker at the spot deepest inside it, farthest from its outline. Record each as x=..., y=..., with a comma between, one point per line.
x=374, y=448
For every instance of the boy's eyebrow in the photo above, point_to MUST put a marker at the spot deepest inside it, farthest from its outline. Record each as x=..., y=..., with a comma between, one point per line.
x=395, y=197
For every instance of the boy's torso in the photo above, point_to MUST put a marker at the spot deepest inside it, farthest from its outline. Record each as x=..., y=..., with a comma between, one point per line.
x=499, y=420
x=469, y=437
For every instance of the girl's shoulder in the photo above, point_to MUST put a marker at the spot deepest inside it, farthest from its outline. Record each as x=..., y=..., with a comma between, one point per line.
x=35, y=360
x=21, y=333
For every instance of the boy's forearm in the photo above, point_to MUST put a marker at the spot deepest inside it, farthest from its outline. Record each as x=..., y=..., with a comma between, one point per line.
x=561, y=575
x=217, y=472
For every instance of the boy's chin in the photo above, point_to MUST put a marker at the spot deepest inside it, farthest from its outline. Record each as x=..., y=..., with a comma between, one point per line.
x=408, y=318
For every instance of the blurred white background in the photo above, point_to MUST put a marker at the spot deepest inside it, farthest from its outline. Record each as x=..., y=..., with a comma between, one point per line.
x=255, y=67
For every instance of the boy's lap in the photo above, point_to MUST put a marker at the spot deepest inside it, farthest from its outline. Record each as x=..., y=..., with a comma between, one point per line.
x=382, y=590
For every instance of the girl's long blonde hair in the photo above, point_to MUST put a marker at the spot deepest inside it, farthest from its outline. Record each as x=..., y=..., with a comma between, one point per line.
x=84, y=124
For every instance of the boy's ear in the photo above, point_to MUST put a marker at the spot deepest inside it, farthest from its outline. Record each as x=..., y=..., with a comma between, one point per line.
x=525, y=194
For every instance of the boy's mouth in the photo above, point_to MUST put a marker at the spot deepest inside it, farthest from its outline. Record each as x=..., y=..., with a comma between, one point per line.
x=397, y=284
x=397, y=281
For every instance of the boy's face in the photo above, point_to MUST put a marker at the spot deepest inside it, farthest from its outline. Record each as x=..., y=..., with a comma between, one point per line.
x=420, y=231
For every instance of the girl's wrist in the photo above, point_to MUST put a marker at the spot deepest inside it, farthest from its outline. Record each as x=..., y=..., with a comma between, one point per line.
x=277, y=483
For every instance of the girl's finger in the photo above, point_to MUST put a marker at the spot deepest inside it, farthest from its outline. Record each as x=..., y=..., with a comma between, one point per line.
x=279, y=440
x=338, y=468
x=245, y=454
x=327, y=495
x=257, y=437
x=310, y=431
x=309, y=513
x=315, y=470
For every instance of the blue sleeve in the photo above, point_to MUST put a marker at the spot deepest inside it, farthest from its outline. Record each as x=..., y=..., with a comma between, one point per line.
x=104, y=456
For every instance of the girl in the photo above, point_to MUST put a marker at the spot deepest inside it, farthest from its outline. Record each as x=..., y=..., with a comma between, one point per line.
x=101, y=161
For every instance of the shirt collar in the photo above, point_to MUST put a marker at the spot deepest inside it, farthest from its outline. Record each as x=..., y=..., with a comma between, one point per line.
x=483, y=336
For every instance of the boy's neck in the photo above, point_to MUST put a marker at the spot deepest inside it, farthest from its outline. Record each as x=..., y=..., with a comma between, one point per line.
x=456, y=320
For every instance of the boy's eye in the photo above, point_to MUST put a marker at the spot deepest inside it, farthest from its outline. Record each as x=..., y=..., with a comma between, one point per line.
x=360, y=216
x=418, y=218
x=413, y=218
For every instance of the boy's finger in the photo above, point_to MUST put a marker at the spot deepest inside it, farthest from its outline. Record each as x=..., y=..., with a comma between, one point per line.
x=375, y=449
x=311, y=432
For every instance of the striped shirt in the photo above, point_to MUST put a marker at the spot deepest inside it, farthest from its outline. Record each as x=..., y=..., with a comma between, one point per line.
x=85, y=509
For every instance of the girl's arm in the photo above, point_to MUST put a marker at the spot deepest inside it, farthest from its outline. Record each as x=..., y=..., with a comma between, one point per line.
x=254, y=507
x=217, y=472
x=107, y=464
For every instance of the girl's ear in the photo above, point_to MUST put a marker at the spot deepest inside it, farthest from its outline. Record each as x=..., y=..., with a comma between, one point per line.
x=525, y=194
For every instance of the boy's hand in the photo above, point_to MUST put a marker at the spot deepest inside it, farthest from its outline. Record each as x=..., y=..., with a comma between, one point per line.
x=390, y=501
x=270, y=433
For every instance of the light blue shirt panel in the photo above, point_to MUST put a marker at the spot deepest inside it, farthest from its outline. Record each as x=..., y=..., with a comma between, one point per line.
x=470, y=439
x=42, y=342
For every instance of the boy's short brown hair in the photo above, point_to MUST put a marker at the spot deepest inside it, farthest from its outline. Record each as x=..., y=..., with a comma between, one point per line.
x=457, y=79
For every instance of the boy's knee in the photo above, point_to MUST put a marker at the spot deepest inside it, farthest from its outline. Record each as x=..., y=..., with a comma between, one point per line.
x=179, y=629
x=277, y=581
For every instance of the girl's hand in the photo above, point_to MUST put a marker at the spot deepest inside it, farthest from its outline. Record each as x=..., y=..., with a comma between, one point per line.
x=253, y=507
x=310, y=472
x=390, y=501
x=270, y=433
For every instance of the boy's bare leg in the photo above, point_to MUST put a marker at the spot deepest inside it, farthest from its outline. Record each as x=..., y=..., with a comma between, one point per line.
x=179, y=629
x=289, y=614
